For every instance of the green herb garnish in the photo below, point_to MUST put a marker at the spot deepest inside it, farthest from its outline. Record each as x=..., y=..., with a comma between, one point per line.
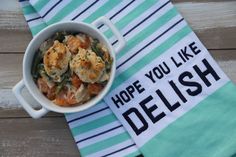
x=60, y=36
x=36, y=62
x=65, y=79
x=96, y=49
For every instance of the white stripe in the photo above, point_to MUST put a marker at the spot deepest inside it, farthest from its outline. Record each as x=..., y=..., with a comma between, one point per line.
x=31, y=16
x=127, y=10
x=47, y=7
x=143, y=16
x=91, y=10
x=77, y=10
x=36, y=22
x=148, y=39
x=97, y=130
x=33, y=2
x=145, y=24
x=101, y=137
x=88, y=119
x=117, y=8
x=55, y=10
x=24, y=3
x=149, y=48
x=122, y=14
x=85, y=112
x=114, y=148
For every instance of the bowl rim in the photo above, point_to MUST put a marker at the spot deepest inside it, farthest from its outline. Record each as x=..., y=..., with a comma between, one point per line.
x=45, y=102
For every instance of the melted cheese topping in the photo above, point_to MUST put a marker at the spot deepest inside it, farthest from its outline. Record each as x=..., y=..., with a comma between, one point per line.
x=87, y=66
x=56, y=60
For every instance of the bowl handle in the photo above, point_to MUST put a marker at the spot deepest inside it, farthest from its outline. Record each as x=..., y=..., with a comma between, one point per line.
x=17, y=90
x=121, y=41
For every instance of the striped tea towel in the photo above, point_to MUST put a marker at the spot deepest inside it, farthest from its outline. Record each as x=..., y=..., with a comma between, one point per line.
x=97, y=132
x=169, y=94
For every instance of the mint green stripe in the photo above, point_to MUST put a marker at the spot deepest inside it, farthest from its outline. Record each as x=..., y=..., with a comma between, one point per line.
x=134, y=154
x=38, y=28
x=105, y=144
x=65, y=11
x=151, y=56
x=208, y=130
x=28, y=10
x=132, y=16
x=40, y=4
x=93, y=124
x=102, y=10
x=68, y=114
x=157, y=24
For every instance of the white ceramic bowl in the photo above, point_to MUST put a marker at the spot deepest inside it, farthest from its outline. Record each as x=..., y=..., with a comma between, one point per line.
x=27, y=81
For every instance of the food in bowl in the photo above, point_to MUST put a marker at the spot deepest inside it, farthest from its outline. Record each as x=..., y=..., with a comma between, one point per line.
x=71, y=68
